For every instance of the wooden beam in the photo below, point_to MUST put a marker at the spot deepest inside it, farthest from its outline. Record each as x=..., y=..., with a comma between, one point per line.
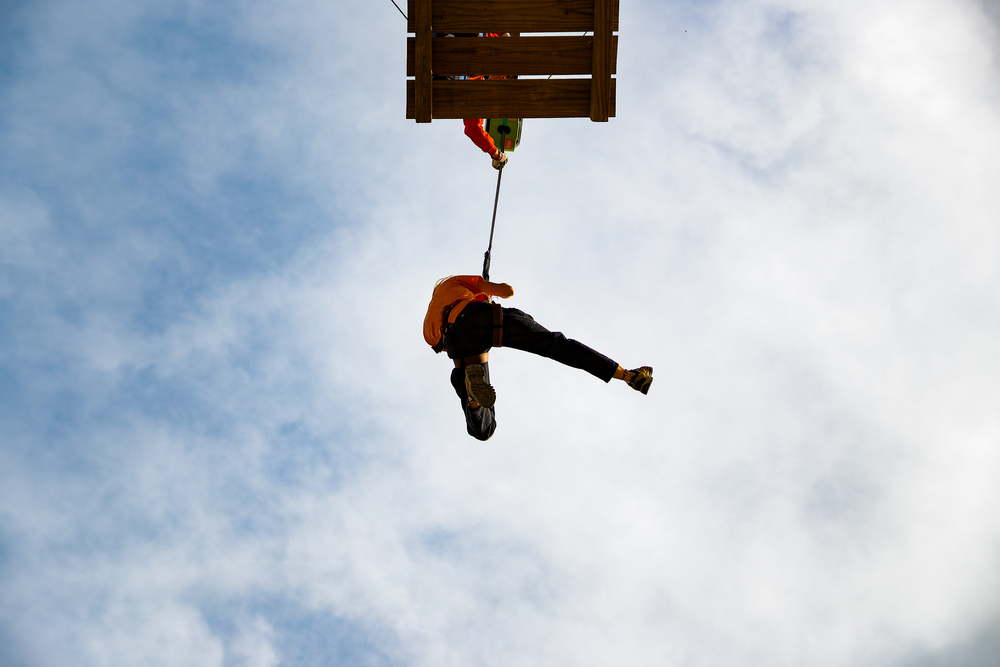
x=525, y=56
x=522, y=98
x=512, y=15
x=424, y=59
x=601, y=78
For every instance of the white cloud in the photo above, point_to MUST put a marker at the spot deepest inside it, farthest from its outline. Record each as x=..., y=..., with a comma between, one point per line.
x=792, y=219
x=253, y=647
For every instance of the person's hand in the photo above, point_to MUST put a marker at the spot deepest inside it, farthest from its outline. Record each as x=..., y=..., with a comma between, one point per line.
x=500, y=161
x=502, y=290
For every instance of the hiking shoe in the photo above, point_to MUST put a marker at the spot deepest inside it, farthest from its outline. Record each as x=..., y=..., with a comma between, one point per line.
x=477, y=387
x=642, y=377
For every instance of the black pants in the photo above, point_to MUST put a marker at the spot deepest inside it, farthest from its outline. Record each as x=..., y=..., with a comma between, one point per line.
x=472, y=334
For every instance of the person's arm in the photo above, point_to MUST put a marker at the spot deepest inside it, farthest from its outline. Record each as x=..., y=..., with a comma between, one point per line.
x=502, y=290
x=474, y=130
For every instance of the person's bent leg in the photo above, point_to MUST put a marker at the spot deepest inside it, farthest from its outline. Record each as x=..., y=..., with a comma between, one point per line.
x=522, y=332
x=480, y=422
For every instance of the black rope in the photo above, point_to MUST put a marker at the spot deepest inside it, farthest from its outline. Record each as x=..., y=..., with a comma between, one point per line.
x=503, y=130
x=486, y=257
x=400, y=10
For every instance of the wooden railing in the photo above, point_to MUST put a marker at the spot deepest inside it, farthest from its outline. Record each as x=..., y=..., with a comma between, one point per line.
x=521, y=55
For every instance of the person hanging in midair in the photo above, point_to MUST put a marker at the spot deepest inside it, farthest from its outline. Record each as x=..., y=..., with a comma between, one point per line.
x=463, y=321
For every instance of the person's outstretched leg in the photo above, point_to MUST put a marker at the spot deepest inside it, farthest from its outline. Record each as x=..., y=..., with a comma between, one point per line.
x=480, y=421
x=522, y=332
x=474, y=333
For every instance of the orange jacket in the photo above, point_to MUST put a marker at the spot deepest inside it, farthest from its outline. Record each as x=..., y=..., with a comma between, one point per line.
x=457, y=292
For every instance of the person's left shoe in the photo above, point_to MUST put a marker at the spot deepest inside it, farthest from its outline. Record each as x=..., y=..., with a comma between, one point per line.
x=641, y=379
x=477, y=387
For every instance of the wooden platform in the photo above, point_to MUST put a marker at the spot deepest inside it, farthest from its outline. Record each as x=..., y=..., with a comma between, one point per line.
x=594, y=56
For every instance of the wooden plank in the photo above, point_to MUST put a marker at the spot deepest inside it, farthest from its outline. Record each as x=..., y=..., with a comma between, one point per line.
x=474, y=56
x=512, y=15
x=424, y=59
x=601, y=79
x=523, y=98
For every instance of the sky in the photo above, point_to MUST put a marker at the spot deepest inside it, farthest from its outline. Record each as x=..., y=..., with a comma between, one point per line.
x=223, y=441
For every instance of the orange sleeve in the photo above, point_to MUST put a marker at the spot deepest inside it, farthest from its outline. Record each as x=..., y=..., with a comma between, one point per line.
x=474, y=130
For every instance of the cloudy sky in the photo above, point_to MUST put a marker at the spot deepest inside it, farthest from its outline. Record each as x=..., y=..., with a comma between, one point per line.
x=223, y=441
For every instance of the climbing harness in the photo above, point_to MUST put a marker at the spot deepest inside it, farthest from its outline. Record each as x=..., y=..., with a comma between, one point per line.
x=446, y=327
x=497, y=324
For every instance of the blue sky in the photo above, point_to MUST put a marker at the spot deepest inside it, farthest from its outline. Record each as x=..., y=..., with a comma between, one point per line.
x=223, y=441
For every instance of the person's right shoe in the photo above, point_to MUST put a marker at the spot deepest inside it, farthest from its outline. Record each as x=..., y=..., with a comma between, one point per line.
x=642, y=377
x=478, y=388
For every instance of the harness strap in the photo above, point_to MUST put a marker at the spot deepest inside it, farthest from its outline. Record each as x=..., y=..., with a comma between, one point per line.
x=497, y=325
x=445, y=328
x=474, y=359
